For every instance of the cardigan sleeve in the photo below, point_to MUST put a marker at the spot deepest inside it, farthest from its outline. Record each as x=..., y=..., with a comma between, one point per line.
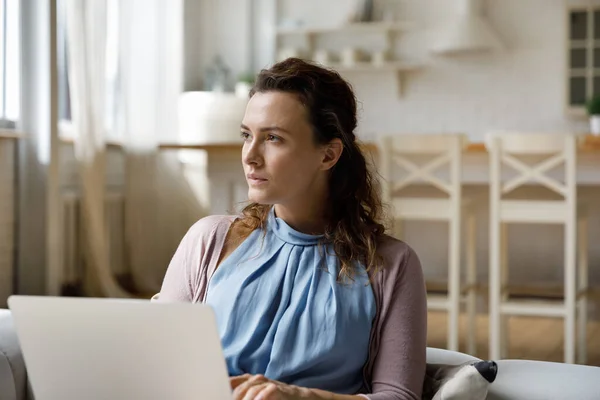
x=185, y=270
x=399, y=366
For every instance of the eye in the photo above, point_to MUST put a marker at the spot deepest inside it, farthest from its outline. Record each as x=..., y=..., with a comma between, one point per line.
x=245, y=135
x=273, y=138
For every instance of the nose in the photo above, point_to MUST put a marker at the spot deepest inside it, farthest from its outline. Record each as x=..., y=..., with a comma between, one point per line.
x=487, y=369
x=252, y=153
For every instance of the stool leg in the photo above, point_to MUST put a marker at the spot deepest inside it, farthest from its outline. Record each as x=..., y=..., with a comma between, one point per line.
x=454, y=283
x=504, y=289
x=472, y=284
x=397, y=229
x=495, y=286
x=570, y=288
x=583, y=288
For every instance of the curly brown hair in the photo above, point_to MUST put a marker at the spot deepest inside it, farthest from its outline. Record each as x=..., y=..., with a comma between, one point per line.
x=354, y=211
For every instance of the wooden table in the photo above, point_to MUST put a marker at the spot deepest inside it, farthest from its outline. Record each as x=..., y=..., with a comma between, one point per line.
x=10, y=135
x=590, y=144
x=226, y=184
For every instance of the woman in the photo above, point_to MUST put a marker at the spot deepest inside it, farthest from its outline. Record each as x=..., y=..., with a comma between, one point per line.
x=313, y=300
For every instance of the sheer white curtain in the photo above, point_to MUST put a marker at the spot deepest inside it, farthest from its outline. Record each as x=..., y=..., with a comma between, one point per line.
x=86, y=27
x=159, y=205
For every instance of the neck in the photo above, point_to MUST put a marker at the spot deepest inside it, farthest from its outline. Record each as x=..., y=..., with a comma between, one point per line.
x=305, y=218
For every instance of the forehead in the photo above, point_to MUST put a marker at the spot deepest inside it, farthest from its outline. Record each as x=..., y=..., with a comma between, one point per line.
x=274, y=108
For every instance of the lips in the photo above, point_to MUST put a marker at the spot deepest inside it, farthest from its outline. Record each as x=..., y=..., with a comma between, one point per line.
x=255, y=179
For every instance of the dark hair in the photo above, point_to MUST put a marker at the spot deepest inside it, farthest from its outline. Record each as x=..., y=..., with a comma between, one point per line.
x=355, y=208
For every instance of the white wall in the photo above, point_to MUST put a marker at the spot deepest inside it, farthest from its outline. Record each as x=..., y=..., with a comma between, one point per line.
x=215, y=27
x=522, y=88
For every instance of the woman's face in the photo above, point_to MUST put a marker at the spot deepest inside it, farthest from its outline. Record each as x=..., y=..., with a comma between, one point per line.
x=282, y=163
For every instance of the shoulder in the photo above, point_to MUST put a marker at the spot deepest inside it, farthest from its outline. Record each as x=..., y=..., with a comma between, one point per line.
x=399, y=260
x=394, y=251
x=209, y=227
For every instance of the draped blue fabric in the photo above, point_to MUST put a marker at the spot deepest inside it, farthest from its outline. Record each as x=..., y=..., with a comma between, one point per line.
x=282, y=312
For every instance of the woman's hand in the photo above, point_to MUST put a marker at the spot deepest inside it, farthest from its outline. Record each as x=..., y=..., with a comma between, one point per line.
x=258, y=387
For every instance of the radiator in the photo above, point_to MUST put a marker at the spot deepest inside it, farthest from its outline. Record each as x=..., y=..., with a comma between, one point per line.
x=72, y=255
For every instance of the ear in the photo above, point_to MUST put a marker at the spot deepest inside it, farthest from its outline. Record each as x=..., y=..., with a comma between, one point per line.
x=332, y=152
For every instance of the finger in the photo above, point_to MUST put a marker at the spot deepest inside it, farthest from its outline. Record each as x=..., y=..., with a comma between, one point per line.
x=254, y=392
x=235, y=381
x=240, y=391
x=269, y=392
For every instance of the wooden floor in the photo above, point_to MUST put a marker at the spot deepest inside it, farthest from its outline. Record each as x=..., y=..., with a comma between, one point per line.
x=529, y=338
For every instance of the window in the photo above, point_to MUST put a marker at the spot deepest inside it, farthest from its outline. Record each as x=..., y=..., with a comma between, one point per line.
x=64, y=100
x=583, y=56
x=10, y=56
x=112, y=72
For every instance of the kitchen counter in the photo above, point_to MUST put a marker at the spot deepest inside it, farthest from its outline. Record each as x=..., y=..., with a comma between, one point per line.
x=590, y=144
x=10, y=135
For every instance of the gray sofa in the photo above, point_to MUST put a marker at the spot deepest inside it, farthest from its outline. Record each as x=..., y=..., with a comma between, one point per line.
x=13, y=379
x=516, y=380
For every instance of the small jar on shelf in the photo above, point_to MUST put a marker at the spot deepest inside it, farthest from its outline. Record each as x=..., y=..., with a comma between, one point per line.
x=288, y=52
x=380, y=57
x=350, y=56
x=322, y=56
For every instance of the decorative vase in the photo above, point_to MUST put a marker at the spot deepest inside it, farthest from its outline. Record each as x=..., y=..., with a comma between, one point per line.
x=365, y=11
x=379, y=57
x=595, y=124
x=322, y=56
x=350, y=56
x=242, y=89
x=217, y=76
x=210, y=117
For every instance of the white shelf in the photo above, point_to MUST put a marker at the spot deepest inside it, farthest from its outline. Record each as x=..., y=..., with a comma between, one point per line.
x=392, y=66
x=363, y=27
x=398, y=68
x=351, y=32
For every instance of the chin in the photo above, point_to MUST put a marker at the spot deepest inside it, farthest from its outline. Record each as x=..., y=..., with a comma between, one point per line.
x=260, y=197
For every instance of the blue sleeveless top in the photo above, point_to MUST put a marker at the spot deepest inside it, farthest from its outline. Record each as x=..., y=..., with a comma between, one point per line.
x=281, y=311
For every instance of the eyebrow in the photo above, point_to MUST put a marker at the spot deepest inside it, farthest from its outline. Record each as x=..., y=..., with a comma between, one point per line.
x=267, y=128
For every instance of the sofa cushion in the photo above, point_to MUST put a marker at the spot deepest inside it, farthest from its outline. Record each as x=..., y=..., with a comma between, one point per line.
x=467, y=381
x=13, y=379
x=540, y=380
x=532, y=380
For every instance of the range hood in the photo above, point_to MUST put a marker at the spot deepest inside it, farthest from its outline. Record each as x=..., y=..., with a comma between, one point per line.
x=467, y=32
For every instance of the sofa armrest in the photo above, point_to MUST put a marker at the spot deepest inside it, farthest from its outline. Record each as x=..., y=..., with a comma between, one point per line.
x=443, y=356
x=13, y=378
x=531, y=380
x=540, y=380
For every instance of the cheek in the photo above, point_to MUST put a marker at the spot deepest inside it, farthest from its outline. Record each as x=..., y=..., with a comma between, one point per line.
x=294, y=168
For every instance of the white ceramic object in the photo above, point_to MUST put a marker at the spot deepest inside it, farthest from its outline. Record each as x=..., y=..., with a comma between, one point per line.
x=595, y=124
x=210, y=117
x=289, y=52
x=350, y=56
x=379, y=57
x=322, y=57
x=242, y=89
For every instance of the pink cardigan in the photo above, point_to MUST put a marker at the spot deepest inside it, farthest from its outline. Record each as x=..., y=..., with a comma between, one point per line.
x=395, y=368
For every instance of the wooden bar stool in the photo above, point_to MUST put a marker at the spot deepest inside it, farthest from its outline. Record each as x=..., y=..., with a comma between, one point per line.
x=443, y=150
x=511, y=149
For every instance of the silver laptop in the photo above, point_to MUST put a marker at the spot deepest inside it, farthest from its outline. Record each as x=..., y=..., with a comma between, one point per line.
x=100, y=349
